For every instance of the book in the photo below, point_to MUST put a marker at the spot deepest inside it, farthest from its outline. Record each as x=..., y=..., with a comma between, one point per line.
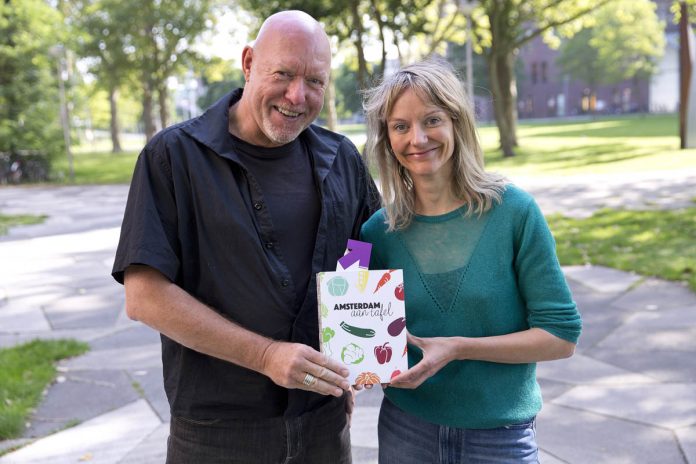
x=362, y=322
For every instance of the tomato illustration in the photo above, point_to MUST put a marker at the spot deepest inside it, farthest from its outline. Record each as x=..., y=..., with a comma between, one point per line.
x=399, y=292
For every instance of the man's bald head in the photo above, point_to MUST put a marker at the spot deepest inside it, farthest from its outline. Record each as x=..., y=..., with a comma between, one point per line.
x=286, y=70
x=286, y=24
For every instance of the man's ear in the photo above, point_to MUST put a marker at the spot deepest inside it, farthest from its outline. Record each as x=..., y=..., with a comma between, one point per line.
x=247, y=56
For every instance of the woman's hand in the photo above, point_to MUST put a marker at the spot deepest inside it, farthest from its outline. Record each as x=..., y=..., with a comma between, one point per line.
x=437, y=352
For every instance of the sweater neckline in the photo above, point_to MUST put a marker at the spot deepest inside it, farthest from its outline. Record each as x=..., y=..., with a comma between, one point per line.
x=442, y=217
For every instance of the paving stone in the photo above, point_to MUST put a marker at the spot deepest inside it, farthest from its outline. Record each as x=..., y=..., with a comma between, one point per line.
x=81, y=311
x=139, y=357
x=80, y=396
x=663, y=366
x=584, y=370
x=153, y=449
x=639, y=336
x=16, y=317
x=362, y=455
x=601, y=279
x=151, y=384
x=105, y=439
x=363, y=430
x=653, y=294
x=551, y=389
x=687, y=440
x=599, y=317
x=135, y=335
x=369, y=397
x=546, y=458
x=663, y=405
x=581, y=437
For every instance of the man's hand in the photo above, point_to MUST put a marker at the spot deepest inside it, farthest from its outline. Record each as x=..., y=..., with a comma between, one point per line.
x=288, y=364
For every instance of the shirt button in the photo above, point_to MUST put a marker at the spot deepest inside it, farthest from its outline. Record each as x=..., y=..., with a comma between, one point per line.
x=285, y=283
x=258, y=205
x=269, y=245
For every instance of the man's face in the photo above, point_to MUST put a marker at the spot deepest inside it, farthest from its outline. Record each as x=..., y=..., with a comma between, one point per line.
x=287, y=77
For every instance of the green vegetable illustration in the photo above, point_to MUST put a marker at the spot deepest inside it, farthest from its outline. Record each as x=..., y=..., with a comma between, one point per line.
x=327, y=334
x=338, y=286
x=352, y=354
x=358, y=331
x=324, y=310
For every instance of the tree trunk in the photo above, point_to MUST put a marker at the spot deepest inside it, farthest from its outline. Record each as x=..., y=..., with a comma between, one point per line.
x=358, y=30
x=148, y=121
x=504, y=89
x=380, y=27
x=115, y=127
x=163, y=94
x=330, y=102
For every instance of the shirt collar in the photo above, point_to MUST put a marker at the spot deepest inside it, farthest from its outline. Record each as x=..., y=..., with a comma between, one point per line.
x=211, y=129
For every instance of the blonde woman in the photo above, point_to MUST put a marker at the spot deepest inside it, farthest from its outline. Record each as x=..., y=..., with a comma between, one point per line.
x=485, y=295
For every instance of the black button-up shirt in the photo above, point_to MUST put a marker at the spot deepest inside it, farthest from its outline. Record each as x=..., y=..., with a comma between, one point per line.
x=197, y=216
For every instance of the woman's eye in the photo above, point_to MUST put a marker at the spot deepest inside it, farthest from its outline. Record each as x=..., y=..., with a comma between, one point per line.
x=433, y=121
x=400, y=127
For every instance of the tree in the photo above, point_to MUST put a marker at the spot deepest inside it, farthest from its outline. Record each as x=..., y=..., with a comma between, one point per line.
x=107, y=38
x=163, y=32
x=219, y=78
x=624, y=42
x=502, y=27
x=28, y=86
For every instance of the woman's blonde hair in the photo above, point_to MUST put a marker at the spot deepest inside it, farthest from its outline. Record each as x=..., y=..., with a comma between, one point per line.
x=434, y=81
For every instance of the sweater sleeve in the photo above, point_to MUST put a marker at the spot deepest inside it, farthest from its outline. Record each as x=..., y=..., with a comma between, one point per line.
x=540, y=279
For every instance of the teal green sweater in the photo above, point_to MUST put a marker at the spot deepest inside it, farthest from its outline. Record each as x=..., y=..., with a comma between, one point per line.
x=477, y=276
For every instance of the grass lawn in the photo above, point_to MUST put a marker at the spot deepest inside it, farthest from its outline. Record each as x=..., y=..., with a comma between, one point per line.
x=26, y=371
x=10, y=221
x=97, y=167
x=636, y=143
x=650, y=243
x=616, y=144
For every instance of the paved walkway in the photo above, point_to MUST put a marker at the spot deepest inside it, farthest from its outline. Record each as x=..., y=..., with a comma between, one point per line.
x=627, y=396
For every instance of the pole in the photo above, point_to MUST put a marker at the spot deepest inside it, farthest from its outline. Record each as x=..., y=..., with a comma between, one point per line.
x=64, y=115
x=469, y=66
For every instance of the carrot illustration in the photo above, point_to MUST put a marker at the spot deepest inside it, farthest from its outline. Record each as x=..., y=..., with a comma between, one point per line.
x=385, y=278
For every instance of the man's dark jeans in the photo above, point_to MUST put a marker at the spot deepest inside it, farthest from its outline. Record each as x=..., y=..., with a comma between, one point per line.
x=321, y=436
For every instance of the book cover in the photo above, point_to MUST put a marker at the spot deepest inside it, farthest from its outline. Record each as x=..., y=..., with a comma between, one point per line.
x=362, y=322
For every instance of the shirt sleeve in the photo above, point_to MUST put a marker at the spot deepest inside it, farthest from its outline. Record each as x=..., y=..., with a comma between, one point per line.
x=149, y=230
x=541, y=281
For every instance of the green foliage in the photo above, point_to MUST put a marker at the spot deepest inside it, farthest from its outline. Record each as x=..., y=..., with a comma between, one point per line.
x=20, y=220
x=625, y=40
x=219, y=78
x=29, y=111
x=26, y=371
x=348, y=99
x=652, y=243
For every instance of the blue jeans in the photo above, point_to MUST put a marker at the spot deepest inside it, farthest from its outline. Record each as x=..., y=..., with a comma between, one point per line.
x=406, y=439
x=321, y=436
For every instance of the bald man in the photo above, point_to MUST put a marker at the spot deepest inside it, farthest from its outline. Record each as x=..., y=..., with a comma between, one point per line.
x=229, y=217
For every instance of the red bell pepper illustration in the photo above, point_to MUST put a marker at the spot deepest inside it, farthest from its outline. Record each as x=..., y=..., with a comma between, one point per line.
x=385, y=278
x=383, y=353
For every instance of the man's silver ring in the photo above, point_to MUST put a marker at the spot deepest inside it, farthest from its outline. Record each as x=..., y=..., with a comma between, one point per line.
x=309, y=379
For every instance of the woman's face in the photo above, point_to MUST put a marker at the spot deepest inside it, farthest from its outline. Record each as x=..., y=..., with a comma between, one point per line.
x=422, y=136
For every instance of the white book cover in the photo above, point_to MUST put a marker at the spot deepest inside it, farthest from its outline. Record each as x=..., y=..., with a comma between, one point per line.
x=362, y=322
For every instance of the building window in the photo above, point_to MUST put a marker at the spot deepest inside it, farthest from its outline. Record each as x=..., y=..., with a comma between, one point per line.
x=534, y=73
x=543, y=71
